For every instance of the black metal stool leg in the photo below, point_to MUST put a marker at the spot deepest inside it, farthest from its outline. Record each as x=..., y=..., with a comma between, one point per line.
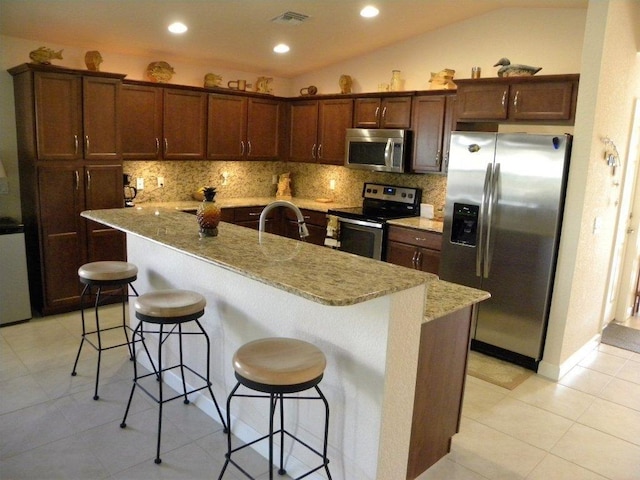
x=84, y=330
x=97, y=304
x=184, y=383
x=138, y=330
x=160, y=393
x=272, y=411
x=225, y=426
x=282, y=471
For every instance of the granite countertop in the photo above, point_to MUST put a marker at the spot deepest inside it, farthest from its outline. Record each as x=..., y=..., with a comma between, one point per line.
x=320, y=274
x=446, y=297
x=192, y=205
x=420, y=223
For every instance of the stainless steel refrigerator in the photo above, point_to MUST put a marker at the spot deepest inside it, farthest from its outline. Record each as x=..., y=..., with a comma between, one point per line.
x=503, y=212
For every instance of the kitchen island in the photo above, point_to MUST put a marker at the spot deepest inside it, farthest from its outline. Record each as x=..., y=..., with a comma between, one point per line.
x=379, y=325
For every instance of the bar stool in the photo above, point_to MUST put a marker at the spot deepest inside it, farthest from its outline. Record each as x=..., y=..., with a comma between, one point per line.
x=277, y=367
x=104, y=275
x=169, y=309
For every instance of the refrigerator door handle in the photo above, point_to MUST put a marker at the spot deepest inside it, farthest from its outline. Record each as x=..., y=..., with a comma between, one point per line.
x=482, y=216
x=493, y=194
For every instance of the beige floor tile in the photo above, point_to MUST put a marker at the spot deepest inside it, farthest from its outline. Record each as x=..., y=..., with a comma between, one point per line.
x=480, y=396
x=586, y=380
x=68, y=458
x=553, y=397
x=527, y=423
x=555, y=468
x=630, y=372
x=611, y=350
x=622, y=392
x=599, y=452
x=10, y=364
x=614, y=419
x=447, y=469
x=603, y=362
x=493, y=454
x=20, y=392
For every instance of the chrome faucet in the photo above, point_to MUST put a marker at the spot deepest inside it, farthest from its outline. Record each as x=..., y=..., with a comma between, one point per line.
x=302, y=226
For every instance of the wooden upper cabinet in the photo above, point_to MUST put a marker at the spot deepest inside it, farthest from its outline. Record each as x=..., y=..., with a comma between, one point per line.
x=243, y=128
x=303, y=131
x=263, y=128
x=432, y=121
x=141, y=122
x=318, y=130
x=58, y=116
x=335, y=116
x=387, y=112
x=101, y=116
x=184, y=124
x=539, y=99
x=227, y=127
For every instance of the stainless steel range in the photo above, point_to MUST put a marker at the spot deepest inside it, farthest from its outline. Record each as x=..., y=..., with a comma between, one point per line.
x=363, y=230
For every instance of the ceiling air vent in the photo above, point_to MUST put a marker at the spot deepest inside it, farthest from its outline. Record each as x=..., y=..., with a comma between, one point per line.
x=290, y=18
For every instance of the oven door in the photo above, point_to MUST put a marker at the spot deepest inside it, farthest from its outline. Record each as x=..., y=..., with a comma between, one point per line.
x=361, y=237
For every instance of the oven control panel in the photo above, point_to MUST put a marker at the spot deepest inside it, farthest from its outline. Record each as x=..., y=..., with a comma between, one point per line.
x=391, y=193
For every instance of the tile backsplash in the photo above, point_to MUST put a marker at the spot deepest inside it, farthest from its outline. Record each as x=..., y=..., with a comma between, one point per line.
x=254, y=179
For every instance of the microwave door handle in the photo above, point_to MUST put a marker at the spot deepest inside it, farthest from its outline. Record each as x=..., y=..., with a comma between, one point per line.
x=388, y=152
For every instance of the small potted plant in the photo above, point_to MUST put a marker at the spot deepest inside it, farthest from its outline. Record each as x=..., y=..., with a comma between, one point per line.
x=208, y=214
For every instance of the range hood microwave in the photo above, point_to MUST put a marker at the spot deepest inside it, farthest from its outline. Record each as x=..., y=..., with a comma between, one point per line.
x=380, y=150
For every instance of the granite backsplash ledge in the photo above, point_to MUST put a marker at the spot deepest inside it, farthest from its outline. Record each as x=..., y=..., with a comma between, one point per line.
x=254, y=179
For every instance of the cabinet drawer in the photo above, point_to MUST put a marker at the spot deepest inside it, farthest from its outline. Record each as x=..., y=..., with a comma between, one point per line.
x=311, y=217
x=412, y=236
x=245, y=214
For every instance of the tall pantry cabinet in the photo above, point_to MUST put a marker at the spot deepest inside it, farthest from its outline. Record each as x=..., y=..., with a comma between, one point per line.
x=70, y=160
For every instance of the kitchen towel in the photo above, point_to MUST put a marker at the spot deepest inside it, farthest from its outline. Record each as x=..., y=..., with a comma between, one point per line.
x=333, y=232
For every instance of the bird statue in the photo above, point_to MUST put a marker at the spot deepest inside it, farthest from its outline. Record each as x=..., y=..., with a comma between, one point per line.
x=509, y=70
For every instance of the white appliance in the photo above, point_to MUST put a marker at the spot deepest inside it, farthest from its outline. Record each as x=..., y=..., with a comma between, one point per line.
x=15, y=304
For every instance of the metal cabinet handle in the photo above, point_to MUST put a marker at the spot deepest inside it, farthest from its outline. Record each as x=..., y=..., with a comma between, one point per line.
x=166, y=145
x=320, y=151
x=414, y=260
x=157, y=146
x=254, y=214
x=377, y=112
x=88, y=180
x=419, y=261
x=77, y=180
x=515, y=100
x=86, y=144
x=420, y=239
x=76, y=143
x=504, y=99
x=242, y=148
x=438, y=153
x=313, y=151
x=249, y=145
x=384, y=112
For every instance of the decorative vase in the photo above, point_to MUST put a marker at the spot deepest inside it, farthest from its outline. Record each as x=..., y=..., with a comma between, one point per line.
x=396, y=81
x=208, y=214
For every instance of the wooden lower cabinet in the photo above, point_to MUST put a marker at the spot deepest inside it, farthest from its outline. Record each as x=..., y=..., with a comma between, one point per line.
x=60, y=240
x=441, y=375
x=414, y=248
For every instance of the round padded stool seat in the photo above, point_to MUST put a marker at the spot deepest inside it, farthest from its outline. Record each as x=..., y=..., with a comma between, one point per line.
x=111, y=271
x=279, y=362
x=169, y=306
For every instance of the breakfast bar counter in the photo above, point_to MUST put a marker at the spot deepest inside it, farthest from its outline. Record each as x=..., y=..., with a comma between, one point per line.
x=394, y=406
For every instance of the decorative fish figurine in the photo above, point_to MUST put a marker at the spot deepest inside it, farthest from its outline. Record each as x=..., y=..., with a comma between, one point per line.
x=44, y=55
x=515, y=70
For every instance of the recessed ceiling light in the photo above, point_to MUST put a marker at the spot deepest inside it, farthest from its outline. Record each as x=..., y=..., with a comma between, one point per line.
x=178, y=27
x=281, y=48
x=369, y=11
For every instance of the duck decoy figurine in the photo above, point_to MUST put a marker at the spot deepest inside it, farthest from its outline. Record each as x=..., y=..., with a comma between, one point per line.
x=515, y=70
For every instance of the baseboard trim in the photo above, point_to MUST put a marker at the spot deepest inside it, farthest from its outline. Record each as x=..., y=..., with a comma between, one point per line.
x=556, y=372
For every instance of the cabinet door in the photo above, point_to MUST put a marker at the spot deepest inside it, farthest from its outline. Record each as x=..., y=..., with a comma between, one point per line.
x=396, y=112
x=541, y=101
x=428, y=127
x=428, y=260
x=101, y=110
x=450, y=120
x=58, y=105
x=227, y=127
x=482, y=102
x=185, y=123
x=60, y=200
x=366, y=113
x=263, y=129
x=141, y=122
x=303, y=131
x=335, y=116
x=401, y=254
x=103, y=189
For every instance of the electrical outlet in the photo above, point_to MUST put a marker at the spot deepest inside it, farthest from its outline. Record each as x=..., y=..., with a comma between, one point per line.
x=274, y=179
x=140, y=183
x=161, y=182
